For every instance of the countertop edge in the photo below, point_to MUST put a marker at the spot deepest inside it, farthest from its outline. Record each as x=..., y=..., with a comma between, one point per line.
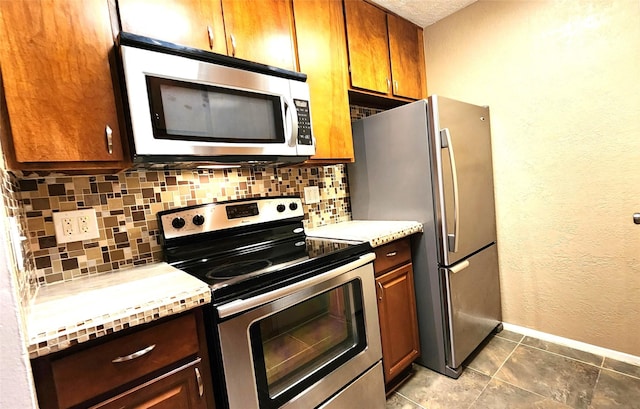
x=376, y=232
x=137, y=312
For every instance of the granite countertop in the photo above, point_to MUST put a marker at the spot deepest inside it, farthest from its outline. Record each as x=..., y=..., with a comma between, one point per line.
x=376, y=232
x=65, y=314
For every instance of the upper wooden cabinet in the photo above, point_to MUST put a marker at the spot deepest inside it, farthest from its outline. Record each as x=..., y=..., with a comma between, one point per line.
x=406, y=49
x=386, y=52
x=260, y=31
x=54, y=57
x=194, y=23
x=255, y=31
x=322, y=55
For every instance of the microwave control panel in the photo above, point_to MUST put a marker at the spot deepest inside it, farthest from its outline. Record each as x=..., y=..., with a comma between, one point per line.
x=304, y=122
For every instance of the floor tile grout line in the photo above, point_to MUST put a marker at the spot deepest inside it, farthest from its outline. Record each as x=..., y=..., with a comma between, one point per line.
x=621, y=373
x=410, y=400
x=483, y=389
x=507, y=358
x=543, y=350
x=527, y=390
x=563, y=356
x=491, y=377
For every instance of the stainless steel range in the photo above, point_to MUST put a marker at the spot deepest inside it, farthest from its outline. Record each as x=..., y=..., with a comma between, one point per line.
x=293, y=321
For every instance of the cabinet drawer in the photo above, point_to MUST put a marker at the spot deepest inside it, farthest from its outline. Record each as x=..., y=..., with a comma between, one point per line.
x=180, y=388
x=91, y=372
x=392, y=254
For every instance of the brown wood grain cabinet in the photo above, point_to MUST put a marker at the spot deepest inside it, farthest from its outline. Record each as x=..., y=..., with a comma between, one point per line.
x=261, y=31
x=194, y=23
x=396, y=307
x=163, y=363
x=386, y=52
x=57, y=86
x=406, y=49
x=322, y=55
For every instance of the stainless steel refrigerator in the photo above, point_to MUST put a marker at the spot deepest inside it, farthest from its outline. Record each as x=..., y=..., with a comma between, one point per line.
x=430, y=161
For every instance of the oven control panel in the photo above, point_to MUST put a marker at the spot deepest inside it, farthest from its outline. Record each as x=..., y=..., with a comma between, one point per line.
x=205, y=218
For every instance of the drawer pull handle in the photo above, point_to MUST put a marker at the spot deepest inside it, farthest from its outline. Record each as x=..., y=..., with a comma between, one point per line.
x=199, y=379
x=135, y=355
x=381, y=290
x=392, y=254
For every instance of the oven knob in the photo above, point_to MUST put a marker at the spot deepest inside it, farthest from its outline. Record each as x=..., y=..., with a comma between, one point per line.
x=293, y=205
x=178, y=223
x=280, y=208
x=198, y=220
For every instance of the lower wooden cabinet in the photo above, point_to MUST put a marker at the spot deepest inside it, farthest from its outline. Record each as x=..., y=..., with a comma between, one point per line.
x=159, y=365
x=179, y=389
x=396, y=307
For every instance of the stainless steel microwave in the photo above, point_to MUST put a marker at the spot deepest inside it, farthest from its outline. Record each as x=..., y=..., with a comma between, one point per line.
x=189, y=105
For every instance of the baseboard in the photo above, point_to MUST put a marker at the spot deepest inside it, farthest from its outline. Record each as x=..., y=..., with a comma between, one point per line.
x=581, y=346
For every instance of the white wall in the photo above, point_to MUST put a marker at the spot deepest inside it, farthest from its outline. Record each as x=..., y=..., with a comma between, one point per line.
x=16, y=384
x=562, y=79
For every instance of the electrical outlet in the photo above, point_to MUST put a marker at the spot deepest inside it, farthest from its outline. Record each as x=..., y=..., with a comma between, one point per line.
x=83, y=224
x=311, y=194
x=76, y=225
x=67, y=226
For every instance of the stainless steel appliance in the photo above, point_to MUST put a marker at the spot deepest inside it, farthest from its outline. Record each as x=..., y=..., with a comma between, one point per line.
x=293, y=322
x=430, y=161
x=187, y=105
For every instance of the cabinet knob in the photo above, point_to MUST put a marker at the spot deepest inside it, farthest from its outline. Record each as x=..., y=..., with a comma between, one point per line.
x=109, y=134
x=381, y=290
x=636, y=218
x=210, y=35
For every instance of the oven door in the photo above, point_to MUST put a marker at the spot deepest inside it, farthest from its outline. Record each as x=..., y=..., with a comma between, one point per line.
x=297, y=346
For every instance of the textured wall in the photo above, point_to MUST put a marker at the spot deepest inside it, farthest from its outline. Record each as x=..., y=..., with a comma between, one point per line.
x=562, y=79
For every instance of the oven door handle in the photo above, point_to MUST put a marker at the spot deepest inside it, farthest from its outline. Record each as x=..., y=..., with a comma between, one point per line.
x=241, y=305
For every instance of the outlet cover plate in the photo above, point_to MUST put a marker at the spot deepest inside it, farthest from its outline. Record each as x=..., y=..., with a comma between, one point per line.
x=75, y=225
x=311, y=194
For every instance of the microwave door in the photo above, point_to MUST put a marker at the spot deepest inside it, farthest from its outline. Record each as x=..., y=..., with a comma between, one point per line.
x=177, y=111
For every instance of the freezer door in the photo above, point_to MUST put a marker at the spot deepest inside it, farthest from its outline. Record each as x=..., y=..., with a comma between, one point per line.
x=465, y=208
x=472, y=294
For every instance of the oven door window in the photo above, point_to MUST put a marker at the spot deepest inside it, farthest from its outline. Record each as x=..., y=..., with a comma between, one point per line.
x=198, y=112
x=296, y=347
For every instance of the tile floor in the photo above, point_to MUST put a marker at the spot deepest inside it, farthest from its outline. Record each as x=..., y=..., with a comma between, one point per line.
x=514, y=371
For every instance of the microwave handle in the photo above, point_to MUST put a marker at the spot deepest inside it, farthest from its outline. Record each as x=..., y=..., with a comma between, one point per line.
x=291, y=121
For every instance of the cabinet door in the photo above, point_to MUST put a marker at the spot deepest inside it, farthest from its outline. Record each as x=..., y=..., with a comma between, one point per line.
x=398, y=320
x=368, y=46
x=322, y=55
x=260, y=31
x=407, y=58
x=194, y=23
x=57, y=80
x=180, y=389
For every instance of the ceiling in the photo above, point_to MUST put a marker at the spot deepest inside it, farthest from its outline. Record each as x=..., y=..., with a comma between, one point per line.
x=423, y=12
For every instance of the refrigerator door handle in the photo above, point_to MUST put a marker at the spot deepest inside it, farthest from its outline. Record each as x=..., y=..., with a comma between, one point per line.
x=459, y=267
x=452, y=238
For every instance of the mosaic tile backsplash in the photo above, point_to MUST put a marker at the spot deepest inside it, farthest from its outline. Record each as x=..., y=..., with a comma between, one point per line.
x=126, y=205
